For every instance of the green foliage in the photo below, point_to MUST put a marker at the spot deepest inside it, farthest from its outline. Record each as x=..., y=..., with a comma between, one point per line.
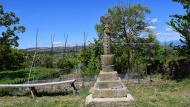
x=68, y=63
x=161, y=94
x=21, y=76
x=185, y=3
x=14, y=59
x=127, y=26
x=46, y=101
x=8, y=38
x=181, y=24
x=141, y=56
x=12, y=92
x=177, y=69
x=47, y=61
x=65, y=64
x=18, y=58
x=84, y=56
x=164, y=94
x=126, y=23
x=90, y=58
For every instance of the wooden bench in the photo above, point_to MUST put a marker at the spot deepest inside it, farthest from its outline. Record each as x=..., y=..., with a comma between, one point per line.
x=32, y=86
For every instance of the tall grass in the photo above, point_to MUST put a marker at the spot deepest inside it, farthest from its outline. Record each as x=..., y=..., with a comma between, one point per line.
x=21, y=76
x=163, y=94
x=45, y=101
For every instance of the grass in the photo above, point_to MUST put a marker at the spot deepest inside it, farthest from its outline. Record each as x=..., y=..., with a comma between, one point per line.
x=161, y=94
x=21, y=75
x=164, y=94
x=45, y=101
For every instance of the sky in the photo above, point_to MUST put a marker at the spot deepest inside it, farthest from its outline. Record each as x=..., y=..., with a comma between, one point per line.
x=74, y=17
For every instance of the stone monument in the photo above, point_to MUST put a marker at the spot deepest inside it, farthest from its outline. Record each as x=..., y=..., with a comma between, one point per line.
x=108, y=91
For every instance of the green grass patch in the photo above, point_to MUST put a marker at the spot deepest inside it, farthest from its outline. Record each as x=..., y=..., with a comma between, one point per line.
x=21, y=75
x=45, y=101
x=165, y=94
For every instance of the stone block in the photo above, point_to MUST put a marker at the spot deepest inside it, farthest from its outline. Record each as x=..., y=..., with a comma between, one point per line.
x=108, y=102
x=108, y=76
x=107, y=59
x=109, y=93
x=108, y=68
x=109, y=84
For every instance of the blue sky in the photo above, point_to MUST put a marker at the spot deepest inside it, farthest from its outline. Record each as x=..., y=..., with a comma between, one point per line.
x=74, y=17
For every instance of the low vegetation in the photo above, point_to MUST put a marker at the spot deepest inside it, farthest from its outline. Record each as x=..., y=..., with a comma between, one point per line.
x=164, y=93
x=21, y=76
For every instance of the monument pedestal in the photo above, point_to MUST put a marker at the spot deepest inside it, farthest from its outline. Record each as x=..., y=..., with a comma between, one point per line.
x=108, y=91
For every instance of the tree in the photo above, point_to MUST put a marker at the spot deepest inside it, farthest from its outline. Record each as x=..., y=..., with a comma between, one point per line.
x=127, y=24
x=9, y=36
x=181, y=24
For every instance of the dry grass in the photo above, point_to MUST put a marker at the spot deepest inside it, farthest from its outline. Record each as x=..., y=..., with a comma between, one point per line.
x=163, y=94
x=159, y=94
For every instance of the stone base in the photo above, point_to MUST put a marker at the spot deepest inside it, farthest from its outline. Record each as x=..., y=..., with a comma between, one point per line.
x=110, y=93
x=108, y=76
x=108, y=102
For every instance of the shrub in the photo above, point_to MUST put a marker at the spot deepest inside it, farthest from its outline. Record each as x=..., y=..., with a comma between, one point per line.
x=13, y=60
x=65, y=64
x=177, y=69
x=47, y=62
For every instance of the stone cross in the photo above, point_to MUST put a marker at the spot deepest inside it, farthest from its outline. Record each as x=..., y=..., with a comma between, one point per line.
x=106, y=40
x=108, y=91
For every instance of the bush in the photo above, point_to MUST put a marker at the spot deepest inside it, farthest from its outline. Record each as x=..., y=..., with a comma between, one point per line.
x=177, y=69
x=92, y=69
x=13, y=60
x=65, y=64
x=47, y=62
x=12, y=91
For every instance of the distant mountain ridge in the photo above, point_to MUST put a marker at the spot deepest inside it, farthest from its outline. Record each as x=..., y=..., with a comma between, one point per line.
x=173, y=42
x=55, y=49
x=77, y=48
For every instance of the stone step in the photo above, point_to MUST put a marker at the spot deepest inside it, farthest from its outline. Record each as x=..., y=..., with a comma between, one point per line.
x=109, y=102
x=108, y=68
x=109, y=84
x=108, y=76
x=109, y=93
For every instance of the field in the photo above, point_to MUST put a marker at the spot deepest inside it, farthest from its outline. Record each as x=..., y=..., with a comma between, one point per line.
x=21, y=76
x=160, y=94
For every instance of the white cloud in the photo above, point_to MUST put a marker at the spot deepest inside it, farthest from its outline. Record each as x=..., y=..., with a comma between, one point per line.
x=172, y=33
x=154, y=20
x=58, y=43
x=151, y=27
x=168, y=36
x=168, y=29
x=157, y=33
x=168, y=32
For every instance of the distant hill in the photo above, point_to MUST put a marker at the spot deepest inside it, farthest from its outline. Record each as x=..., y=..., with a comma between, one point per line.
x=174, y=43
x=55, y=49
x=77, y=48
